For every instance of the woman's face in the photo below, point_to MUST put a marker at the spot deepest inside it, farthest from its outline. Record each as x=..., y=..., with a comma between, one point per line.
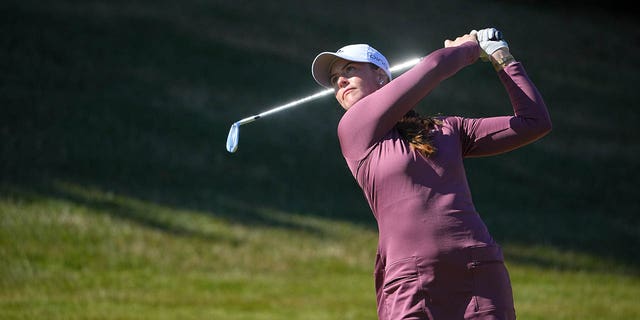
x=353, y=81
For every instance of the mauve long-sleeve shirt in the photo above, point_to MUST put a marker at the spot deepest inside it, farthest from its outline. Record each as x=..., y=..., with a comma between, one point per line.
x=423, y=205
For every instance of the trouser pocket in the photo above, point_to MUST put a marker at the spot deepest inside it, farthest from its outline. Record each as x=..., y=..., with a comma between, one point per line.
x=402, y=290
x=491, y=285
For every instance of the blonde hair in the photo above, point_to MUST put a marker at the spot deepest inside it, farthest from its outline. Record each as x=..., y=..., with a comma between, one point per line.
x=415, y=130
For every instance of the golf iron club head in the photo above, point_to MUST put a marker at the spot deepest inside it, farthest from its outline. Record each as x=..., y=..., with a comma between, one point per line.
x=232, y=139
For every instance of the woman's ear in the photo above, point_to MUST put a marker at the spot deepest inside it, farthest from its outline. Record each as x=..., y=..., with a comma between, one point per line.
x=382, y=76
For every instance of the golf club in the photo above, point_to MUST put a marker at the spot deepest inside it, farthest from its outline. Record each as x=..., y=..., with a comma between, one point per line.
x=234, y=132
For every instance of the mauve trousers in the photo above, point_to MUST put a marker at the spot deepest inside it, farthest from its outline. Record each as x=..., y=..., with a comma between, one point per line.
x=469, y=283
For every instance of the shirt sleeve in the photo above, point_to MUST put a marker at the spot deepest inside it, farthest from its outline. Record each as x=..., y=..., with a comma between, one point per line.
x=530, y=121
x=371, y=118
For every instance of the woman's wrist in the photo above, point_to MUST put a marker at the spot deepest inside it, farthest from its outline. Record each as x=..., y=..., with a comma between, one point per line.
x=501, y=58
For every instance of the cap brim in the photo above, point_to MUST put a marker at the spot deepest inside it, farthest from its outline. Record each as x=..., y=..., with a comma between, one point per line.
x=321, y=68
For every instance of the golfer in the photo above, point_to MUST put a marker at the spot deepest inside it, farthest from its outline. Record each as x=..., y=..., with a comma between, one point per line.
x=435, y=257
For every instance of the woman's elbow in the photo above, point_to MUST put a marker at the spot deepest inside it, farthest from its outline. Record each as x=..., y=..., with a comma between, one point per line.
x=540, y=129
x=545, y=126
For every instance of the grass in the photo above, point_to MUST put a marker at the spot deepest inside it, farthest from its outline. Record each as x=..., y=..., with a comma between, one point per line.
x=63, y=260
x=119, y=201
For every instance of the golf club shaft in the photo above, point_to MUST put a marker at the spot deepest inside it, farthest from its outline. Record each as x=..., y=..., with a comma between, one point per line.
x=315, y=96
x=285, y=106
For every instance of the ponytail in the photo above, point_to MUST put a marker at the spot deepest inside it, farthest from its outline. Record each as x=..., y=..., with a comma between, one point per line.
x=415, y=129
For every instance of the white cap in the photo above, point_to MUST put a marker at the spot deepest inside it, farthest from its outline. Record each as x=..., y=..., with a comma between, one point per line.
x=321, y=67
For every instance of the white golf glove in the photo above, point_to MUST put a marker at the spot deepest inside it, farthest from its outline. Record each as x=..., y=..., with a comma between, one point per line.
x=490, y=40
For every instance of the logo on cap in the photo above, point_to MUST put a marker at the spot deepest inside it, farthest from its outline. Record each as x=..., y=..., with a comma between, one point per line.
x=375, y=56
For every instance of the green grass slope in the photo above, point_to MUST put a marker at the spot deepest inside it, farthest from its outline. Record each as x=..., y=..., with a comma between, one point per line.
x=118, y=199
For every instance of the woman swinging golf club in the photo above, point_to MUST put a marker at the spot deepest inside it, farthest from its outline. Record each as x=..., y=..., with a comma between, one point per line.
x=436, y=258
